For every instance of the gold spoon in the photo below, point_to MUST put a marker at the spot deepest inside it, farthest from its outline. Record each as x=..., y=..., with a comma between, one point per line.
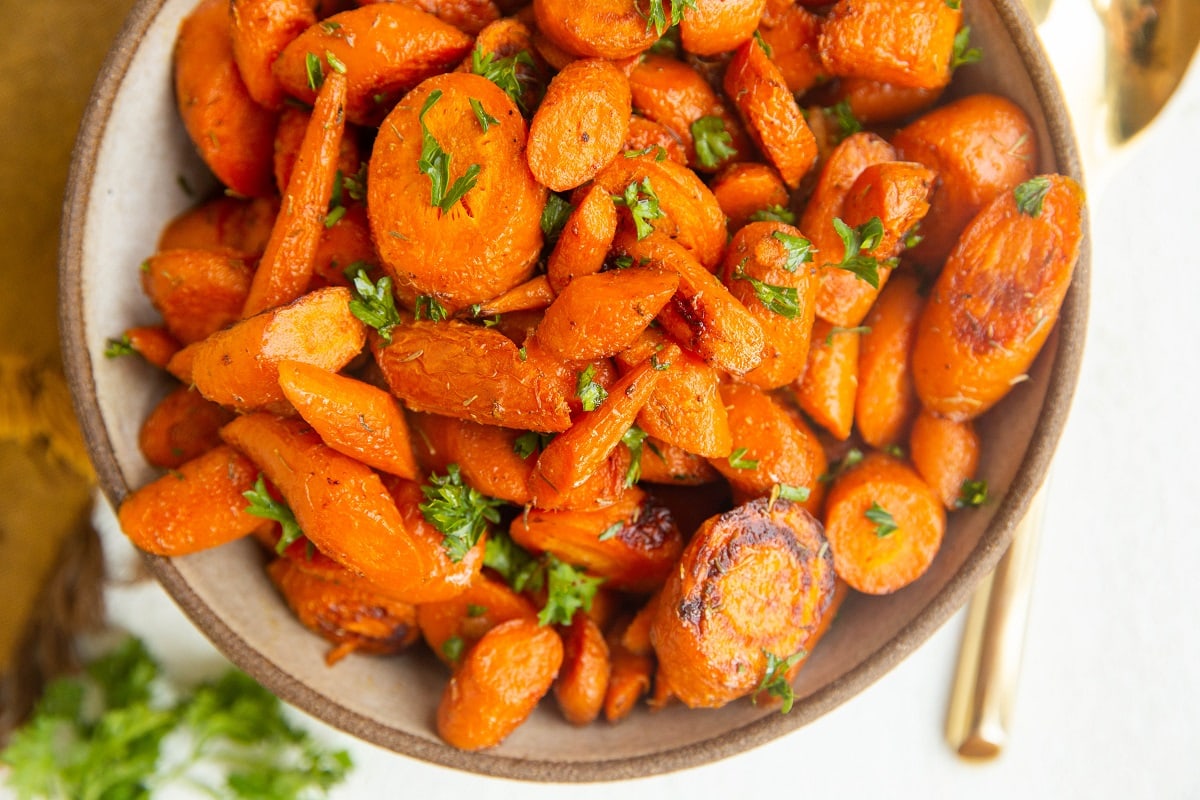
x=1149, y=46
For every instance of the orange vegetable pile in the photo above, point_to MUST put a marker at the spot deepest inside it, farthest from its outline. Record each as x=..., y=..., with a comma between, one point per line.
x=604, y=347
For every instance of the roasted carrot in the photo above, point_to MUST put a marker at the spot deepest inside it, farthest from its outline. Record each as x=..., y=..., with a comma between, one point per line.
x=346, y=614
x=289, y=137
x=875, y=102
x=580, y=125
x=344, y=242
x=838, y=173
x=585, y=239
x=909, y=45
x=886, y=401
x=182, y=426
x=773, y=447
x=597, y=316
x=884, y=524
x=582, y=682
x=197, y=292
x=346, y=511
x=534, y=294
x=611, y=29
x=495, y=461
x=773, y=119
x=354, y=418
x=239, y=225
x=260, y=30
x=979, y=146
x=768, y=269
x=573, y=456
x=450, y=627
x=152, y=342
x=632, y=543
x=828, y=389
x=662, y=462
x=386, y=49
x=793, y=39
x=468, y=371
x=648, y=136
x=238, y=367
x=464, y=227
x=945, y=453
x=195, y=508
x=749, y=191
x=286, y=266
x=499, y=683
x=629, y=679
x=753, y=584
x=469, y=16
x=233, y=134
x=709, y=27
x=997, y=297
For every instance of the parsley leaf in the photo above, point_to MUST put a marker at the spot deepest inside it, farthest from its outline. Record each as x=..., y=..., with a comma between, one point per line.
x=313, y=73
x=775, y=213
x=847, y=123
x=656, y=15
x=115, y=348
x=567, y=590
x=851, y=459
x=796, y=494
x=738, y=460
x=516, y=566
x=590, y=393
x=453, y=648
x=428, y=307
x=373, y=303
x=963, y=52
x=643, y=208
x=634, y=439
x=262, y=504
x=836, y=329
x=885, y=523
x=505, y=72
x=774, y=680
x=459, y=511
x=530, y=442
x=799, y=250
x=712, y=141
x=554, y=217
x=972, y=494
x=865, y=237
x=486, y=120
x=782, y=300
x=435, y=163
x=1031, y=194
x=766, y=48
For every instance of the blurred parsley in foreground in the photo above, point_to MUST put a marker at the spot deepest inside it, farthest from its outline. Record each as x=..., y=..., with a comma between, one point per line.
x=101, y=735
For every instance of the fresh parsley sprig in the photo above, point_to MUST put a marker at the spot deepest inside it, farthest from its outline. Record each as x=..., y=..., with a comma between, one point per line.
x=568, y=589
x=262, y=504
x=885, y=523
x=858, y=241
x=512, y=73
x=712, y=141
x=972, y=494
x=775, y=681
x=781, y=300
x=642, y=202
x=435, y=164
x=460, y=512
x=1031, y=195
x=373, y=303
x=590, y=393
x=656, y=14
x=774, y=213
x=963, y=52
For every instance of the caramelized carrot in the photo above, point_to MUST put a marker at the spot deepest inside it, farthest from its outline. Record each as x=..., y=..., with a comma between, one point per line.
x=153, y=343
x=745, y=189
x=450, y=627
x=197, y=292
x=945, y=454
x=260, y=30
x=534, y=294
x=886, y=401
x=829, y=387
x=709, y=27
x=582, y=681
x=884, y=524
x=198, y=507
x=629, y=680
x=908, y=44
x=354, y=418
x=874, y=102
x=239, y=225
x=753, y=581
x=584, y=241
x=580, y=125
x=181, y=427
x=499, y=683
x=597, y=316
x=233, y=134
x=648, y=136
x=289, y=137
x=286, y=266
x=487, y=456
x=238, y=367
x=670, y=464
x=611, y=29
x=793, y=38
x=997, y=297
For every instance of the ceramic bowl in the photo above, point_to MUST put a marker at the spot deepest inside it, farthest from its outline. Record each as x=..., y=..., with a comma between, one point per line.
x=130, y=164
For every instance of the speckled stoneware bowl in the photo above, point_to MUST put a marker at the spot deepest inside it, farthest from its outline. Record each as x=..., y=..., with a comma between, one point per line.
x=130, y=161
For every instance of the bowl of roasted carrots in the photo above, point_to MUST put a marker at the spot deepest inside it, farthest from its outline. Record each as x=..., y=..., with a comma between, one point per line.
x=573, y=391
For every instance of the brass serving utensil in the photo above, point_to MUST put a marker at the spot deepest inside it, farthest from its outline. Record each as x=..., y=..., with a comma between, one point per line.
x=1150, y=44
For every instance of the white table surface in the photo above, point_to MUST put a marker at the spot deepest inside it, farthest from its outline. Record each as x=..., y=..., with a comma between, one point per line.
x=1109, y=700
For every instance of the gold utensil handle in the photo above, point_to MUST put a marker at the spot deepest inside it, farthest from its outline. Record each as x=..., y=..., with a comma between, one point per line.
x=989, y=661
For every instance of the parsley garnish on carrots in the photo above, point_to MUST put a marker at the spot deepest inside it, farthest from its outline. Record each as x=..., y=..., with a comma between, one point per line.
x=459, y=511
x=774, y=681
x=634, y=439
x=554, y=217
x=568, y=589
x=373, y=303
x=642, y=202
x=1031, y=194
x=486, y=120
x=738, y=460
x=865, y=237
x=781, y=300
x=799, y=250
x=426, y=306
x=590, y=393
x=885, y=523
x=101, y=734
x=115, y=348
x=963, y=52
x=712, y=141
x=435, y=163
x=847, y=123
x=262, y=504
x=504, y=72
x=656, y=14
x=774, y=213
x=972, y=494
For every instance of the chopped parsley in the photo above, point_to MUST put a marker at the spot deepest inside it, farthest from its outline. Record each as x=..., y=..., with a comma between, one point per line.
x=775, y=681
x=963, y=52
x=262, y=504
x=656, y=15
x=774, y=213
x=504, y=72
x=115, y=348
x=453, y=648
x=531, y=442
x=799, y=250
x=459, y=511
x=738, y=460
x=435, y=164
x=851, y=459
x=428, y=307
x=486, y=120
x=712, y=141
x=972, y=494
x=590, y=393
x=554, y=217
x=847, y=123
x=885, y=523
x=781, y=300
x=838, y=329
x=1031, y=194
x=568, y=589
x=373, y=303
x=856, y=241
x=796, y=494
x=634, y=439
x=642, y=203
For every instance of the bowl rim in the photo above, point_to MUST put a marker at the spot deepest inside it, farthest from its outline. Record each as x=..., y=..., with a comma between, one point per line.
x=1030, y=473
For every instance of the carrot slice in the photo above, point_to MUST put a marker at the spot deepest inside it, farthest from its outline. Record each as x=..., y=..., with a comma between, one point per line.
x=450, y=627
x=261, y=29
x=945, y=453
x=585, y=239
x=744, y=189
x=829, y=386
x=181, y=427
x=793, y=37
x=239, y=225
x=198, y=507
x=884, y=524
x=238, y=367
x=197, y=292
x=153, y=343
x=286, y=266
x=886, y=401
x=909, y=44
x=709, y=27
x=354, y=418
x=582, y=682
x=487, y=456
x=500, y=682
x=612, y=29
x=534, y=294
